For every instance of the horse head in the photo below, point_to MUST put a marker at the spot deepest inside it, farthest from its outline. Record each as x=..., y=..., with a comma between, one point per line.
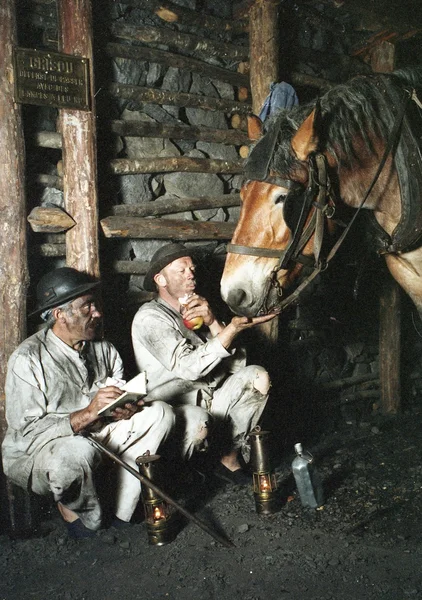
x=274, y=237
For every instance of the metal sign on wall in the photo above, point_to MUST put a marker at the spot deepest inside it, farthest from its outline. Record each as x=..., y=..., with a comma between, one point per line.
x=52, y=79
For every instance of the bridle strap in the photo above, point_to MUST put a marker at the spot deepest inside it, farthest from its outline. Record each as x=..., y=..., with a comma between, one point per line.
x=254, y=251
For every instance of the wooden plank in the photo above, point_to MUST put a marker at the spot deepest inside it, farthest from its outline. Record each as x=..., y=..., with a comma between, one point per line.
x=130, y=267
x=161, y=130
x=151, y=95
x=49, y=219
x=177, y=61
x=174, y=13
x=166, y=229
x=162, y=206
x=181, y=41
x=78, y=129
x=126, y=166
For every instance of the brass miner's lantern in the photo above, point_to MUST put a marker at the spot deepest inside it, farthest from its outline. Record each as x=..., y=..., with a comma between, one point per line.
x=264, y=482
x=158, y=515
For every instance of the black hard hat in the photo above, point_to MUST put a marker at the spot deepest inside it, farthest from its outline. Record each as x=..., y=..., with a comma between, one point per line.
x=62, y=285
x=163, y=257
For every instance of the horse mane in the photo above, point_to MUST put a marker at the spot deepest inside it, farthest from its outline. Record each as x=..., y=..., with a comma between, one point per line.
x=363, y=107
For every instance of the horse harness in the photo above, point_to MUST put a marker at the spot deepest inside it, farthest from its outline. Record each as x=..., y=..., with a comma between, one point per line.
x=318, y=195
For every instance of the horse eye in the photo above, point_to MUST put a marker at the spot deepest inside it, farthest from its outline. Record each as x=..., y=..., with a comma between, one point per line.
x=280, y=197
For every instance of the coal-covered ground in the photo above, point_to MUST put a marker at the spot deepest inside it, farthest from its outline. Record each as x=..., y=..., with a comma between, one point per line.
x=365, y=542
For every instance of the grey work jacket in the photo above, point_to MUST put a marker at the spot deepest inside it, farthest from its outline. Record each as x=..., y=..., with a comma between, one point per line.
x=178, y=361
x=46, y=381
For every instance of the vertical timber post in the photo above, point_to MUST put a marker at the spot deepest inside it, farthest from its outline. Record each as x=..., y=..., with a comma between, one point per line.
x=390, y=346
x=13, y=252
x=79, y=136
x=382, y=59
x=264, y=49
x=264, y=69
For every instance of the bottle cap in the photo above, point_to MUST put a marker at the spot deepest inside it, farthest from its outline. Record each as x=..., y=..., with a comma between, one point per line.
x=298, y=448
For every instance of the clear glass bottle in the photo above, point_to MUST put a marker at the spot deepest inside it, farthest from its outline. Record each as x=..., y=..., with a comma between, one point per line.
x=308, y=480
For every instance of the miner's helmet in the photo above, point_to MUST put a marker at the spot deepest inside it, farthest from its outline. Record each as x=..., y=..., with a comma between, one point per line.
x=60, y=286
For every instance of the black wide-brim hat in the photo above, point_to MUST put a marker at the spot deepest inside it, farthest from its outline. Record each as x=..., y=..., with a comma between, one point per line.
x=60, y=286
x=163, y=257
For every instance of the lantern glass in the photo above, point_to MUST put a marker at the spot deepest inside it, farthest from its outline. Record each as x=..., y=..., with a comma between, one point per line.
x=264, y=483
x=156, y=512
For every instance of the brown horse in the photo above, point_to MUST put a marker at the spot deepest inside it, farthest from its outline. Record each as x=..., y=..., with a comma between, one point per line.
x=358, y=146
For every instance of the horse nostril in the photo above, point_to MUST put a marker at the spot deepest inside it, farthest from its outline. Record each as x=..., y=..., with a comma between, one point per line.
x=238, y=298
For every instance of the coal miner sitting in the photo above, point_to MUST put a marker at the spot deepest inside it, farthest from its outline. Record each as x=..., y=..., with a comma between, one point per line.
x=57, y=381
x=191, y=358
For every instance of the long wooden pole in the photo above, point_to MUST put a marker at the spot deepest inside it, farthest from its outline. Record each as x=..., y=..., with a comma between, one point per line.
x=13, y=253
x=13, y=244
x=382, y=60
x=264, y=49
x=224, y=541
x=79, y=146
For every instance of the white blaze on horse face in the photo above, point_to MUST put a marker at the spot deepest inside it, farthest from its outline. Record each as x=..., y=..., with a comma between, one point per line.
x=244, y=284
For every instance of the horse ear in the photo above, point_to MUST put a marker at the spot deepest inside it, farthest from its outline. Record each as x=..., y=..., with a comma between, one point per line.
x=306, y=138
x=255, y=127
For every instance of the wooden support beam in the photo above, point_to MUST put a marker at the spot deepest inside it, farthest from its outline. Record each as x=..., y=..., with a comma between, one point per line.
x=161, y=130
x=49, y=219
x=14, y=277
x=78, y=129
x=177, y=61
x=264, y=49
x=151, y=95
x=166, y=229
x=126, y=166
x=174, y=13
x=390, y=301
x=51, y=139
x=181, y=41
x=163, y=206
x=390, y=347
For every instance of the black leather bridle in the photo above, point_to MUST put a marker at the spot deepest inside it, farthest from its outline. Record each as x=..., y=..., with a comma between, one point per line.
x=318, y=199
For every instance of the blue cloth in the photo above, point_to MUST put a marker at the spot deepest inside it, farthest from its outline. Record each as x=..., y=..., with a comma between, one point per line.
x=282, y=95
